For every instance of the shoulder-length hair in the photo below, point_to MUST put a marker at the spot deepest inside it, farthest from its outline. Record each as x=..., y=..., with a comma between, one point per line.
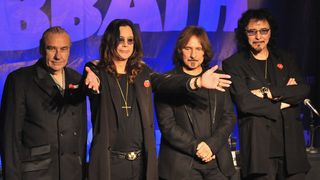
x=254, y=14
x=108, y=49
x=183, y=40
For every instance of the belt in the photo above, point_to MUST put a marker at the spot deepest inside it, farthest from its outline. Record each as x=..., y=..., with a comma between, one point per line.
x=130, y=156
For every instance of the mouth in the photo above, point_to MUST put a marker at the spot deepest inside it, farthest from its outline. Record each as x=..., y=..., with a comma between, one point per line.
x=258, y=42
x=124, y=51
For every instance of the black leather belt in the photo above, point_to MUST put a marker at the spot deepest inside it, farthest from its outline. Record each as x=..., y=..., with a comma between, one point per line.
x=130, y=156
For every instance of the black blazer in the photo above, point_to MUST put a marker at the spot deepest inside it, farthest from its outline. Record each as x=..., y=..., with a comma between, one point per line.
x=178, y=141
x=257, y=116
x=104, y=119
x=43, y=133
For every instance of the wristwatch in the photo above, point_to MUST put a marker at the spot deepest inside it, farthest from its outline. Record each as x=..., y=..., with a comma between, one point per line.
x=264, y=91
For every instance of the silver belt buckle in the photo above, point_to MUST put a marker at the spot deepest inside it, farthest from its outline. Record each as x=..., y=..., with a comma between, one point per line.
x=131, y=156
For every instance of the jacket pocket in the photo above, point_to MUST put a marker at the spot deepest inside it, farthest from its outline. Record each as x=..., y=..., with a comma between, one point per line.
x=40, y=150
x=36, y=165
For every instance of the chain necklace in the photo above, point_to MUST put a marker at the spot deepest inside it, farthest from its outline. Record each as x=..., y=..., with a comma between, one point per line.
x=61, y=87
x=125, y=98
x=266, y=69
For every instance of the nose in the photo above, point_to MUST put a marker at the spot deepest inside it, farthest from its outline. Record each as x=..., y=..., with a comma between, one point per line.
x=193, y=54
x=258, y=35
x=57, y=54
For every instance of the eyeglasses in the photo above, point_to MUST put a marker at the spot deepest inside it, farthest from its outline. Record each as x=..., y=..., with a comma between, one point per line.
x=130, y=41
x=253, y=32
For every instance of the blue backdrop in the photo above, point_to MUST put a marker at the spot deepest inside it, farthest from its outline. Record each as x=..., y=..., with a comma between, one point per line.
x=23, y=21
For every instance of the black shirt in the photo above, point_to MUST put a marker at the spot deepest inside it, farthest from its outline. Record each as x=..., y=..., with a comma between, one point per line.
x=276, y=129
x=202, y=123
x=129, y=134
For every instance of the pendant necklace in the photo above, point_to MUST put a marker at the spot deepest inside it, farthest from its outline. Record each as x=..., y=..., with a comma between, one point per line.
x=125, y=98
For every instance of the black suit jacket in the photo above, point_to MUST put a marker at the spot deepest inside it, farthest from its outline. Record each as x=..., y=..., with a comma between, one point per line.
x=104, y=118
x=178, y=141
x=257, y=116
x=43, y=133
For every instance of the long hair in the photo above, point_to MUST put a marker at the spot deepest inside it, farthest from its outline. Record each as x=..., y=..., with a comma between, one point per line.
x=183, y=40
x=256, y=14
x=108, y=50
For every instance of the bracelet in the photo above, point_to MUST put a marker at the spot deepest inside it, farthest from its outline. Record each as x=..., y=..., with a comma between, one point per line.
x=195, y=83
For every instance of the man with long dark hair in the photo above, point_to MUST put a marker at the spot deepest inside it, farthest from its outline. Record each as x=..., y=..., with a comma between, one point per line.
x=195, y=128
x=267, y=89
x=123, y=145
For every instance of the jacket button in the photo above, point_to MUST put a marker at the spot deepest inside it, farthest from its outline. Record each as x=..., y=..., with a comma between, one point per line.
x=75, y=133
x=61, y=134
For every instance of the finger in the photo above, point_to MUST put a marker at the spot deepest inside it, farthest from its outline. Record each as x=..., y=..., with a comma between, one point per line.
x=222, y=84
x=225, y=81
x=87, y=81
x=200, y=145
x=223, y=76
x=220, y=89
x=214, y=68
x=88, y=70
x=208, y=158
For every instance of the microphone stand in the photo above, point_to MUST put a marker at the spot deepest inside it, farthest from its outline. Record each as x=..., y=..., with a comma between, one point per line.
x=313, y=128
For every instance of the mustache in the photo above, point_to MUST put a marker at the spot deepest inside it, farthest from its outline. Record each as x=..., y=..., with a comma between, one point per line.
x=254, y=42
x=192, y=59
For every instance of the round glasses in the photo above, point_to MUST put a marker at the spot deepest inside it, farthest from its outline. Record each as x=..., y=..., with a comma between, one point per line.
x=253, y=32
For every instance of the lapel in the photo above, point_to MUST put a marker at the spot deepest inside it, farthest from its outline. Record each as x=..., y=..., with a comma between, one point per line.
x=143, y=95
x=276, y=74
x=213, y=100
x=43, y=79
x=114, y=93
x=187, y=108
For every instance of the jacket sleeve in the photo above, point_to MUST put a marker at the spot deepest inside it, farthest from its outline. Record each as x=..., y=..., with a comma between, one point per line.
x=291, y=94
x=169, y=83
x=224, y=125
x=176, y=136
x=246, y=102
x=12, y=116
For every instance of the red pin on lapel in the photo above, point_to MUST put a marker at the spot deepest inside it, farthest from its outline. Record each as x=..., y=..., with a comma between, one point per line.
x=73, y=86
x=280, y=66
x=146, y=83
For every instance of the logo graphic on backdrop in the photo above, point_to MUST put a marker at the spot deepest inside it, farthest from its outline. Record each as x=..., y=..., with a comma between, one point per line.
x=22, y=22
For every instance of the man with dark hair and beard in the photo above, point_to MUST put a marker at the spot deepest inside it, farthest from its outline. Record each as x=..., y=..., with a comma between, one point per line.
x=267, y=88
x=195, y=128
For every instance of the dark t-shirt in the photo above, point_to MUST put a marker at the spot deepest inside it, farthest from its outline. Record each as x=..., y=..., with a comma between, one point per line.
x=129, y=134
x=202, y=123
x=276, y=135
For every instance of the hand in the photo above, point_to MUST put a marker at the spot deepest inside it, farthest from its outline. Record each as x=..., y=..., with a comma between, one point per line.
x=284, y=105
x=257, y=93
x=292, y=81
x=92, y=81
x=212, y=80
x=204, y=152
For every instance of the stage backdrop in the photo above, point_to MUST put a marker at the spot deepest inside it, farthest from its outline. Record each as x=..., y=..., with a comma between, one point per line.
x=23, y=21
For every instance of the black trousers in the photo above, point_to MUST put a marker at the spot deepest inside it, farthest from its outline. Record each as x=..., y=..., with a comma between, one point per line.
x=277, y=171
x=203, y=174
x=122, y=169
x=206, y=174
